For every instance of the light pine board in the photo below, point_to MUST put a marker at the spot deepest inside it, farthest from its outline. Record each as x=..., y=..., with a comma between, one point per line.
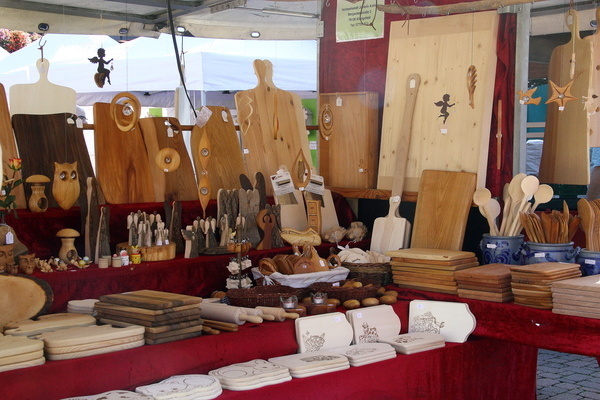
x=594, y=103
x=354, y=128
x=441, y=50
x=9, y=146
x=565, y=154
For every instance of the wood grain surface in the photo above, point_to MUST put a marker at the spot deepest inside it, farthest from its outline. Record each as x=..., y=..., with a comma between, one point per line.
x=121, y=161
x=565, y=153
x=23, y=297
x=9, y=146
x=440, y=49
x=179, y=184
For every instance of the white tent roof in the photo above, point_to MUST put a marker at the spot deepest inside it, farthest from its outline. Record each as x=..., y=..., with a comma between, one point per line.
x=3, y=53
x=148, y=64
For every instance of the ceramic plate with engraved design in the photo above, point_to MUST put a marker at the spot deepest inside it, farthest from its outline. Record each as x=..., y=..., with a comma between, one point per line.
x=452, y=320
x=323, y=332
x=371, y=323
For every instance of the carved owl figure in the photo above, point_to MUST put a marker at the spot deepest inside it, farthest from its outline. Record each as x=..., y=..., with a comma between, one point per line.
x=65, y=186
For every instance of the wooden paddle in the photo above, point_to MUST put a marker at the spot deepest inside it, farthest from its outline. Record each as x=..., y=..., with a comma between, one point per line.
x=393, y=232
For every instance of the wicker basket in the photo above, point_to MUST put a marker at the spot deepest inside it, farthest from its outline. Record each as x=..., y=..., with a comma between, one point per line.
x=380, y=273
x=267, y=296
x=345, y=293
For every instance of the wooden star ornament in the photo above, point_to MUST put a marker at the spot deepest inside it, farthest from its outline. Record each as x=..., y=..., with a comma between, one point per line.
x=527, y=97
x=560, y=95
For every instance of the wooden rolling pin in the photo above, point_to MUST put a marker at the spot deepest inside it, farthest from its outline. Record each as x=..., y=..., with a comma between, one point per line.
x=279, y=313
x=227, y=313
x=221, y=326
x=253, y=311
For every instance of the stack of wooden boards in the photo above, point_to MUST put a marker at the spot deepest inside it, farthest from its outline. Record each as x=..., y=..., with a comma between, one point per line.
x=166, y=316
x=197, y=387
x=532, y=284
x=410, y=343
x=577, y=296
x=251, y=375
x=430, y=269
x=20, y=352
x=82, y=306
x=84, y=341
x=488, y=282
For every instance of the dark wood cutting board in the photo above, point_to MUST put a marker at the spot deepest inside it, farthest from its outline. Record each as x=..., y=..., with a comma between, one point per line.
x=150, y=299
x=121, y=161
x=9, y=146
x=226, y=162
x=162, y=318
x=142, y=322
x=46, y=139
x=179, y=184
x=145, y=311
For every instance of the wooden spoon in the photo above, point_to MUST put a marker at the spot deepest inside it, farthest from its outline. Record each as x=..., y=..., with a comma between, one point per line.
x=516, y=195
x=507, y=205
x=481, y=197
x=587, y=216
x=544, y=194
x=492, y=210
x=529, y=185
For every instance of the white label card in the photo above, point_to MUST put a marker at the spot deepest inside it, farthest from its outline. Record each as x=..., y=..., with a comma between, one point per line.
x=316, y=184
x=282, y=184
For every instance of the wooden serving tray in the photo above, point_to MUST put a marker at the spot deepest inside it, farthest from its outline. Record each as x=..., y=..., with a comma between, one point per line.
x=447, y=256
x=312, y=361
x=323, y=332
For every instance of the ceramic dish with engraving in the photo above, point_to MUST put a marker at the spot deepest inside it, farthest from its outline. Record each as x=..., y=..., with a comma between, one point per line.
x=113, y=395
x=323, y=332
x=183, y=386
x=452, y=320
x=371, y=323
x=250, y=375
x=366, y=353
x=410, y=343
x=314, y=363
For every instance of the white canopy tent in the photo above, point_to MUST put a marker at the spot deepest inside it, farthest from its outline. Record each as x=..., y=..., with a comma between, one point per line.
x=148, y=65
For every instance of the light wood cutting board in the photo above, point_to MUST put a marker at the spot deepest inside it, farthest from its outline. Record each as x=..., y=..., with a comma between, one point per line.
x=584, y=284
x=23, y=297
x=47, y=323
x=8, y=145
x=349, y=127
x=454, y=321
x=226, y=161
x=442, y=209
x=565, y=154
x=440, y=49
x=594, y=103
x=87, y=334
x=175, y=185
x=272, y=123
x=121, y=161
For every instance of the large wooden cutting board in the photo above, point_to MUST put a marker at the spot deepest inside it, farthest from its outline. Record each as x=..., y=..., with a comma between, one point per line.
x=440, y=256
x=8, y=145
x=23, y=297
x=272, y=124
x=565, y=154
x=226, y=161
x=440, y=49
x=42, y=97
x=594, y=102
x=46, y=139
x=349, y=127
x=174, y=185
x=121, y=161
x=442, y=209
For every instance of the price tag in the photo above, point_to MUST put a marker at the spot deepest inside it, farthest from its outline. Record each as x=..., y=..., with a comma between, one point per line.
x=79, y=123
x=491, y=245
x=316, y=184
x=590, y=262
x=246, y=151
x=203, y=116
x=338, y=101
x=539, y=255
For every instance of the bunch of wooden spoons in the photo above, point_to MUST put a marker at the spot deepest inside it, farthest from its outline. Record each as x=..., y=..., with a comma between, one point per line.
x=589, y=212
x=516, y=196
x=552, y=227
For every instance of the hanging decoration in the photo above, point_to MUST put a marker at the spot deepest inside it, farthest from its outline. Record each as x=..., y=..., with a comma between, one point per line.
x=103, y=74
x=560, y=95
x=471, y=84
x=527, y=97
x=444, y=105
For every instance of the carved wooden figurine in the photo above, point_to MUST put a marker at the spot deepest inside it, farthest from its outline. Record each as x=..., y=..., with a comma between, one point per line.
x=26, y=263
x=67, y=251
x=65, y=187
x=38, y=202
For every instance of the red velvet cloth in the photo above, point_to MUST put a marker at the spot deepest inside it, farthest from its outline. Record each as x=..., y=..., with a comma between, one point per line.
x=361, y=66
x=478, y=369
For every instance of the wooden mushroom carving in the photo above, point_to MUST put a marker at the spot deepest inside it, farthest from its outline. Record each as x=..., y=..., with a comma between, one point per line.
x=38, y=202
x=67, y=250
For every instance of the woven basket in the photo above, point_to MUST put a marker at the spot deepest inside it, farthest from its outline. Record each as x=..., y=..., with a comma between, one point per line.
x=267, y=296
x=345, y=293
x=380, y=273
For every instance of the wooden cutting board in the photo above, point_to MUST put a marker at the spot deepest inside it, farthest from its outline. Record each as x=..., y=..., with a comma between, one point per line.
x=428, y=287
x=23, y=297
x=19, y=358
x=349, y=121
x=46, y=139
x=8, y=145
x=49, y=97
x=442, y=209
x=83, y=335
x=15, y=345
x=580, y=298
x=173, y=338
x=138, y=310
x=585, y=284
x=226, y=161
x=47, y=323
x=585, y=314
x=424, y=277
x=565, y=154
x=454, y=321
x=487, y=273
x=323, y=332
x=432, y=256
x=272, y=122
x=121, y=161
x=547, y=270
x=109, y=311
x=177, y=184
x=93, y=352
x=594, y=104
x=162, y=329
x=441, y=49
x=482, y=295
x=373, y=323
x=176, y=332
x=150, y=299
x=144, y=322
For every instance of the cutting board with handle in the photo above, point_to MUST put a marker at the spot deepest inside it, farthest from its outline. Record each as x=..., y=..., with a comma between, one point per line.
x=392, y=232
x=442, y=210
x=46, y=139
x=121, y=161
x=8, y=145
x=42, y=97
x=593, y=108
x=170, y=184
x=565, y=153
x=83, y=335
x=349, y=121
x=47, y=323
x=226, y=161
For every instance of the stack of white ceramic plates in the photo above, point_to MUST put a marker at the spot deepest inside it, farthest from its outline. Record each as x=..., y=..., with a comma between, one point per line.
x=83, y=341
x=323, y=332
x=313, y=363
x=82, y=306
x=370, y=324
x=367, y=353
x=184, y=387
x=113, y=395
x=251, y=375
x=20, y=352
x=417, y=342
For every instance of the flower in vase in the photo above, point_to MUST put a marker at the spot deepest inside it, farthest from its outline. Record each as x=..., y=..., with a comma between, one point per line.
x=7, y=199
